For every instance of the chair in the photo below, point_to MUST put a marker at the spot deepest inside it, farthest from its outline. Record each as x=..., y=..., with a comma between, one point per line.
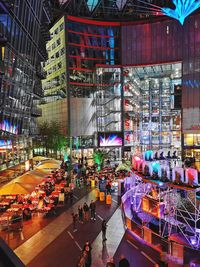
x=16, y=223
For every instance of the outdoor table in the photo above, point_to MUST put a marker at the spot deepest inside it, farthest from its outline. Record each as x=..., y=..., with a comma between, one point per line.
x=55, y=193
x=30, y=206
x=13, y=209
x=4, y=204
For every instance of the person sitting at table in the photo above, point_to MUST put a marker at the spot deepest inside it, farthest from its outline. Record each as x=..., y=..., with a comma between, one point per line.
x=27, y=214
x=48, y=191
x=46, y=200
x=29, y=201
x=16, y=217
x=40, y=203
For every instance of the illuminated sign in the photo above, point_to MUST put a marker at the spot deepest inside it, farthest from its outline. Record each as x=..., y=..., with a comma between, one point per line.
x=8, y=127
x=5, y=144
x=110, y=139
x=183, y=8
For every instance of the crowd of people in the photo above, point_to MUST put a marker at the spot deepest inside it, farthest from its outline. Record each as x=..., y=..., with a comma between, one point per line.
x=84, y=213
x=123, y=262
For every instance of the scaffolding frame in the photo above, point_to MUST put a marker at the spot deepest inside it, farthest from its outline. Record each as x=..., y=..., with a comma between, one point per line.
x=182, y=208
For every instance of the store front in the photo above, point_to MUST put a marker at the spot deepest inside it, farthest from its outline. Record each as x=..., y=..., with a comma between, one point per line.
x=192, y=149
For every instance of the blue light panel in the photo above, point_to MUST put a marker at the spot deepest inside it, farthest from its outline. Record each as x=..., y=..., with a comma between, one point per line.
x=92, y=4
x=183, y=9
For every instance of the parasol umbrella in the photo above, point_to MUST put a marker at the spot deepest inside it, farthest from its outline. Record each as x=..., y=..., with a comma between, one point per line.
x=54, y=161
x=48, y=165
x=16, y=188
x=123, y=167
x=31, y=174
x=28, y=178
x=40, y=158
x=39, y=172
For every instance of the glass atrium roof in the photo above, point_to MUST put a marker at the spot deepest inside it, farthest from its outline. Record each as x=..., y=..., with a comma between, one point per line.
x=113, y=9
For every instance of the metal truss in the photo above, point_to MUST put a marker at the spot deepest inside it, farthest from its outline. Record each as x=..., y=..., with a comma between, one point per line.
x=181, y=215
x=112, y=9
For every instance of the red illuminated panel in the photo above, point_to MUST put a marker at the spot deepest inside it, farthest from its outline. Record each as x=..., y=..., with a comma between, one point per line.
x=81, y=69
x=91, y=34
x=88, y=84
x=91, y=46
x=93, y=22
x=87, y=58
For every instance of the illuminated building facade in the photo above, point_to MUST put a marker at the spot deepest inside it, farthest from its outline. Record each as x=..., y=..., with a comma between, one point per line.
x=54, y=103
x=76, y=47
x=89, y=43
x=22, y=48
x=111, y=76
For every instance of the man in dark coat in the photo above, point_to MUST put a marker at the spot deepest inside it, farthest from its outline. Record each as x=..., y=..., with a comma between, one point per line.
x=123, y=262
x=103, y=229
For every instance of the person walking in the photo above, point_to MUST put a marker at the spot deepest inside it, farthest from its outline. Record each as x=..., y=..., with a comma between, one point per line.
x=80, y=214
x=103, y=229
x=86, y=211
x=87, y=247
x=71, y=196
x=74, y=218
x=93, y=210
x=123, y=262
x=110, y=263
x=108, y=188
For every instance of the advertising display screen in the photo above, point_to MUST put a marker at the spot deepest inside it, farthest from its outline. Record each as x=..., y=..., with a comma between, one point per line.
x=110, y=139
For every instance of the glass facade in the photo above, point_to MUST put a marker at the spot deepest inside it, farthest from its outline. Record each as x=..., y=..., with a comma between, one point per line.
x=89, y=43
x=22, y=46
x=168, y=41
x=138, y=97
x=152, y=89
x=108, y=99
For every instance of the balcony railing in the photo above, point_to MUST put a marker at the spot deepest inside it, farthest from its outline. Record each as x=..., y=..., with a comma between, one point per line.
x=37, y=112
x=41, y=73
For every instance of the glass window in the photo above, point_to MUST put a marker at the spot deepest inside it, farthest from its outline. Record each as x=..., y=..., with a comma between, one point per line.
x=61, y=26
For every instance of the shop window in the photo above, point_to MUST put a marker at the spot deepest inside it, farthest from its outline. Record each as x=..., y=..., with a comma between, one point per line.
x=188, y=140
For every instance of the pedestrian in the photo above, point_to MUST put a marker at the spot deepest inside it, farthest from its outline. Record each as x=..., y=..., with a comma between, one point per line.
x=86, y=211
x=110, y=263
x=74, y=218
x=80, y=214
x=123, y=262
x=71, y=196
x=87, y=247
x=108, y=188
x=93, y=210
x=103, y=229
x=89, y=256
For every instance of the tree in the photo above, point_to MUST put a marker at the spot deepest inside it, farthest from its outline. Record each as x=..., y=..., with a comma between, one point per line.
x=99, y=157
x=52, y=138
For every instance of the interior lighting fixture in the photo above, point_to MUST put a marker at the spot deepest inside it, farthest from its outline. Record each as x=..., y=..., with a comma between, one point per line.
x=183, y=8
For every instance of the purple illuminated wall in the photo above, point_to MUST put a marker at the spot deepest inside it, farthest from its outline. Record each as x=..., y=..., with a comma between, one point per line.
x=168, y=41
x=151, y=43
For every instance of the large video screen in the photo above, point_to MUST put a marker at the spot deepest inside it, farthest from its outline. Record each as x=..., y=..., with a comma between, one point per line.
x=110, y=139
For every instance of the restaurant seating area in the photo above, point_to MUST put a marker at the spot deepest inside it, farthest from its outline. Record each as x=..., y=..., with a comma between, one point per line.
x=36, y=193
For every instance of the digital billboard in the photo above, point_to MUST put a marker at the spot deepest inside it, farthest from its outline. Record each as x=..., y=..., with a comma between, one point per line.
x=110, y=139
